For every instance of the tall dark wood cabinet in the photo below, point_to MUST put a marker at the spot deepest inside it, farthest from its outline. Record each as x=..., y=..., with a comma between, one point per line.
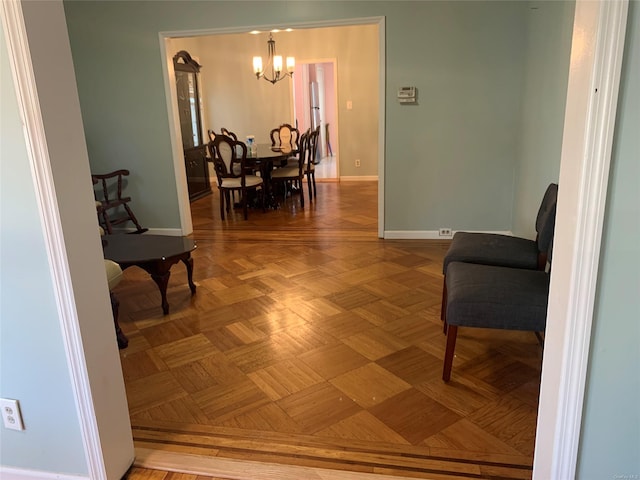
x=188, y=91
x=195, y=162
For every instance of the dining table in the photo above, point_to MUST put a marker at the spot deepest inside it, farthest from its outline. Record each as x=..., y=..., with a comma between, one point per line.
x=263, y=158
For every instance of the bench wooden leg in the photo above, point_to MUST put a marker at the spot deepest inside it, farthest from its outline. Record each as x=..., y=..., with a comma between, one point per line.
x=443, y=306
x=452, y=332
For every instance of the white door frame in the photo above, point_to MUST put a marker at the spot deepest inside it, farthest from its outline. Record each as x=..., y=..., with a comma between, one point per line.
x=592, y=94
x=184, y=205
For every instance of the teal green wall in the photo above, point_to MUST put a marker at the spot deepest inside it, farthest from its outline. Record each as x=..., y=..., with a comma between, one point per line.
x=450, y=161
x=33, y=362
x=610, y=443
x=547, y=49
x=29, y=327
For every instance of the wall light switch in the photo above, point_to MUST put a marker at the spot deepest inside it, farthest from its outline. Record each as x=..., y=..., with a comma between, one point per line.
x=349, y=105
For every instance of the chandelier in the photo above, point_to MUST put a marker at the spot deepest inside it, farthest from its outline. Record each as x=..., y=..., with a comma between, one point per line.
x=274, y=64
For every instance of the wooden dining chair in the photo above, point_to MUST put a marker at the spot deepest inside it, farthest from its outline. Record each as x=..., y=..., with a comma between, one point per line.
x=293, y=173
x=310, y=163
x=230, y=163
x=287, y=138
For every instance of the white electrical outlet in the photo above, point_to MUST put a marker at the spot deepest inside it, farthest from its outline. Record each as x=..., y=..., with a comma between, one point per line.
x=357, y=162
x=11, y=414
x=445, y=232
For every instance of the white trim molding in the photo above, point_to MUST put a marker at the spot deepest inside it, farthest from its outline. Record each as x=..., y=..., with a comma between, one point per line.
x=359, y=178
x=382, y=133
x=430, y=234
x=594, y=77
x=36, y=144
x=10, y=473
x=171, y=97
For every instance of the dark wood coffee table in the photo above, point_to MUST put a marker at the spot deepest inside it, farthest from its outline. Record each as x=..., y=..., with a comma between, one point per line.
x=155, y=254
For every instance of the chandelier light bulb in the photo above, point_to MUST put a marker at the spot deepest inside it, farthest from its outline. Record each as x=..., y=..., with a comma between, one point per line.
x=277, y=63
x=291, y=64
x=257, y=65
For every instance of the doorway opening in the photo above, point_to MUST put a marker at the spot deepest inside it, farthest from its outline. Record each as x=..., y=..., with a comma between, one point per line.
x=237, y=106
x=315, y=106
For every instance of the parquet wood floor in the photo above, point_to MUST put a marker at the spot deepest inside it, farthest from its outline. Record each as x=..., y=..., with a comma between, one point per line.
x=312, y=343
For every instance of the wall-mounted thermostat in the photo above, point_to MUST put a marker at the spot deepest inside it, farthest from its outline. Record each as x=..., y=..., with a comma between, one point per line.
x=407, y=95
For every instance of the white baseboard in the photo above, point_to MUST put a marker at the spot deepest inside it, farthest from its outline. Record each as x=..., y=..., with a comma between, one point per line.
x=364, y=178
x=388, y=234
x=430, y=234
x=12, y=473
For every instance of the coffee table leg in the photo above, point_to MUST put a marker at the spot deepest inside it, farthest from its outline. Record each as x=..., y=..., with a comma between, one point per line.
x=162, y=281
x=188, y=262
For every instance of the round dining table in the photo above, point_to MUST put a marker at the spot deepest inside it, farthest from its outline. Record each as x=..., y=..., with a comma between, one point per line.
x=263, y=159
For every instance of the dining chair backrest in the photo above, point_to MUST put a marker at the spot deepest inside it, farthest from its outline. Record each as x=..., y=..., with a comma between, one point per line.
x=275, y=137
x=228, y=133
x=303, y=152
x=314, y=135
x=288, y=135
x=229, y=156
x=285, y=135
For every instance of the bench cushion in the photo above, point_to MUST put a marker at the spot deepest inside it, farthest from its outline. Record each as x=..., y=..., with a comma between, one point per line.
x=487, y=296
x=492, y=249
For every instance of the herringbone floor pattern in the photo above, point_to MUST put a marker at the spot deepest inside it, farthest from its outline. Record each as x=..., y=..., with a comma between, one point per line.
x=312, y=342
